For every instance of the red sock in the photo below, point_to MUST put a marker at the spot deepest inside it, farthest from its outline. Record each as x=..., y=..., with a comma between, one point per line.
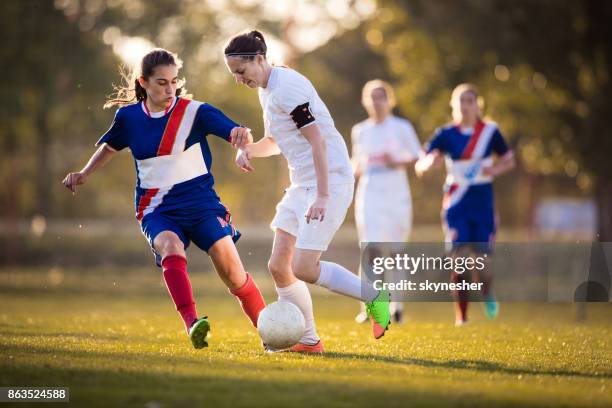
x=250, y=299
x=461, y=298
x=177, y=281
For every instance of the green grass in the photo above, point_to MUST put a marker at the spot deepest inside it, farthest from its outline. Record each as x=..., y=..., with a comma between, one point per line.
x=115, y=340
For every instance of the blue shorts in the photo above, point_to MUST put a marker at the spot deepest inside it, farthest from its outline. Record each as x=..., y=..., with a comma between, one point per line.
x=204, y=228
x=470, y=228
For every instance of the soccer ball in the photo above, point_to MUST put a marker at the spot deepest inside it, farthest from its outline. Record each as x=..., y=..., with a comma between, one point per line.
x=280, y=325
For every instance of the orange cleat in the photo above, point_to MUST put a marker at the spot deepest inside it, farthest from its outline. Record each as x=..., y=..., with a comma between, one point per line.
x=308, y=348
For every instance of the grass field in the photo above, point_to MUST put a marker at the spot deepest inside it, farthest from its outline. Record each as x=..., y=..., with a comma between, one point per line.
x=115, y=340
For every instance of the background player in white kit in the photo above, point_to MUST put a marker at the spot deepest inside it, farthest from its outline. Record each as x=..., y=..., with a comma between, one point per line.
x=383, y=145
x=298, y=125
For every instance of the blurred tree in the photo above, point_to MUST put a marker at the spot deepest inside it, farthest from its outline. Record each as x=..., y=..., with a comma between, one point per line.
x=46, y=99
x=544, y=69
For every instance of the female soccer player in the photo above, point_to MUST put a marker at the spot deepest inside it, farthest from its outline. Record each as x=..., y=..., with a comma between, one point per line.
x=383, y=146
x=298, y=125
x=175, y=199
x=468, y=210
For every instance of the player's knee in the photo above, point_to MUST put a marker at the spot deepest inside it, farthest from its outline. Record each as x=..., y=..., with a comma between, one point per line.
x=171, y=246
x=278, y=268
x=305, y=269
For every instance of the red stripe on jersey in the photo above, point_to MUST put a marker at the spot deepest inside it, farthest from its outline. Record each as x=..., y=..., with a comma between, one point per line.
x=144, y=202
x=144, y=103
x=169, y=136
x=469, y=149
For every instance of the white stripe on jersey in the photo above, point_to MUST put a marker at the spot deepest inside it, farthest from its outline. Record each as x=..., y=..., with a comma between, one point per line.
x=166, y=171
x=185, y=127
x=483, y=141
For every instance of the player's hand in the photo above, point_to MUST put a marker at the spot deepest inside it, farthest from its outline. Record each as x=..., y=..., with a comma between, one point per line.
x=243, y=160
x=317, y=210
x=387, y=159
x=240, y=137
x=489, y=171
x=74, y=179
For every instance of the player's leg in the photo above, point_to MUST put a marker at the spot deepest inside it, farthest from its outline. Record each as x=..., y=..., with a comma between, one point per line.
x=169, y=242
x=338, y=279
x=313, y=238
x=215, y=234
x=457, y=236
x=371, y=252
x=229, y=267
x=289, y=288
x=485, y=228
x=399, y=233
x=370, y=217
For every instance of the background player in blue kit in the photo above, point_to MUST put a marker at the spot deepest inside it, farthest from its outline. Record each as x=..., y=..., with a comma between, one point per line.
x=468, y=210
x=175, y=199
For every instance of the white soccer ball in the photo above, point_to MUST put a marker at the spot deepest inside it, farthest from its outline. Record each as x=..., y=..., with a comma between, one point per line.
x=281, y=325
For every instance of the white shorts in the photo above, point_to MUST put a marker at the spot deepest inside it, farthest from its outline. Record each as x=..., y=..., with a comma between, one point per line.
x=291, y=211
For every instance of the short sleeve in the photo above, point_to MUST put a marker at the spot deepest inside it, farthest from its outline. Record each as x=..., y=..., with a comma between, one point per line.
x=294, y=98
x=498, y=144
x=436, y=142
x=215, y=122
x=410, y=141
x=115, y=136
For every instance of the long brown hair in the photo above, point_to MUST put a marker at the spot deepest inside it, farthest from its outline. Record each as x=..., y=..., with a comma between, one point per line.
x=130, y=90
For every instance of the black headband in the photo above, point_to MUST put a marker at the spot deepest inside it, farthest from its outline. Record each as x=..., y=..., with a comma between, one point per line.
x=244, y=54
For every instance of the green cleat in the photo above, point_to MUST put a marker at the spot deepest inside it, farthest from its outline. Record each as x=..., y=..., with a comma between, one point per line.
x=491, y=307
x=379, y=313
x=198, y=333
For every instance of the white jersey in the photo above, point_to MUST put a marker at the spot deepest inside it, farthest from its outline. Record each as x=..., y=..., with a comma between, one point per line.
x=388, y=219
x=289, y=103
x=394, y=136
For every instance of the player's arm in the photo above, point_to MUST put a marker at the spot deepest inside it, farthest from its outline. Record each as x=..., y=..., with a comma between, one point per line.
x=502, y=165
x=356, y=166
x=240, y=136
x=427, y=162
x=313, y=135
x=215, y=122
x=410, y=152
x=394, y=162
x=505, y=161
x=102, y=156
x=264, y=147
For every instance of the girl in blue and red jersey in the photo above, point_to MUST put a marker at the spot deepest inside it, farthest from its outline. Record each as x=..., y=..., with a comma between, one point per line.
x=469, y=145
x=175, y=199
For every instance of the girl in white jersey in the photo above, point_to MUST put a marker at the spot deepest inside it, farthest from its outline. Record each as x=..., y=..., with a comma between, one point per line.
x=298, y=125
x=383, y=145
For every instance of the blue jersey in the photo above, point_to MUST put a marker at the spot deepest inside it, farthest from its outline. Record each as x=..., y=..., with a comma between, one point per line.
x=466, y=187
x=468, y=206
x=171, y=154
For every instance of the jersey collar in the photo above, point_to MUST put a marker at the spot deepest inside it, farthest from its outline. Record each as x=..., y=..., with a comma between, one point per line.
x=160, y=113
x=273, y=79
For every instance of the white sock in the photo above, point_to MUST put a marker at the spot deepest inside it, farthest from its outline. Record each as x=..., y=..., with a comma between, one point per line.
x=340, y=280
x=298, y=294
